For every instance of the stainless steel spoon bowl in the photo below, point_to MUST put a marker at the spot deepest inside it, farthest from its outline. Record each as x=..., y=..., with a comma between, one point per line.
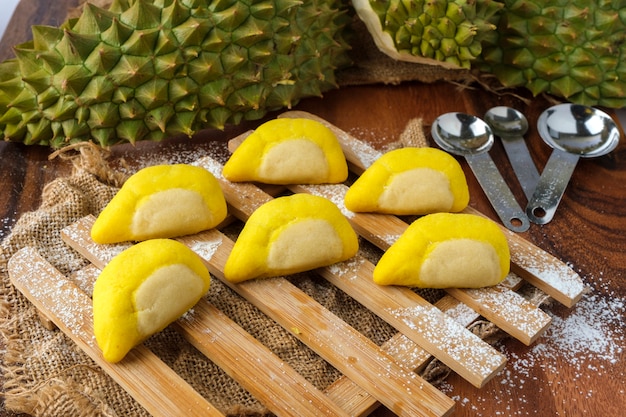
x=510, y=125
x=573, y=131
x=468, y=136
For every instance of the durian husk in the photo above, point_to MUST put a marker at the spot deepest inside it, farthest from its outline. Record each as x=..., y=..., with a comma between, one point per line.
x=370, y=65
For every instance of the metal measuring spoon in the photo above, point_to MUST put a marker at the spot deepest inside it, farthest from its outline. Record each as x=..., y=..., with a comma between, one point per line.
x=468, y=136
x=511, y=126
x=573, y=131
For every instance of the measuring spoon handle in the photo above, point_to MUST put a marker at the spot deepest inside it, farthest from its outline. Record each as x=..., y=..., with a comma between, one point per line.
x=552, y=184
x=498, y=192
x=522, y=163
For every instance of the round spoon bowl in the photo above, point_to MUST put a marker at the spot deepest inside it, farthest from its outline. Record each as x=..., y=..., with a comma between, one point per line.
x=506, y=122
x=579, y=130
x=462, y=134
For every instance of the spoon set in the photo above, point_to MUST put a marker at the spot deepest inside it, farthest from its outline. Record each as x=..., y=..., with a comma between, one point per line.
x=571, y=130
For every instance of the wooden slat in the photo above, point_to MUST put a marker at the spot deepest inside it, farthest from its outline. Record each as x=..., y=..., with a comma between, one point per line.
x=533, y=264
x=358, y=358
x=142, y=374
x=275, y=384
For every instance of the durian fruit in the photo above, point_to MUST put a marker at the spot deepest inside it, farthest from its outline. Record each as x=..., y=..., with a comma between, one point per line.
x=288, y=235
x=446, y=250
x=574, y=49
x=442, y=32
x=288, y=151
x=150, y=69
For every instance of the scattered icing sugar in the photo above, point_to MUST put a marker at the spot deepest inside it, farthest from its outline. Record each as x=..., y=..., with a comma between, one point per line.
x=348, y=269
x=512, y=308
x=556, y=275
x=206, y=248
x=590, y=337
x=61, y=298
x=462, y=314
x=389, y=239
x=211, y=165
x=333, y=192
x=461, y=345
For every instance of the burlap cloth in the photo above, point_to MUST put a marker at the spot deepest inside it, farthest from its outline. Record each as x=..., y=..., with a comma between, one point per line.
x=45, y=374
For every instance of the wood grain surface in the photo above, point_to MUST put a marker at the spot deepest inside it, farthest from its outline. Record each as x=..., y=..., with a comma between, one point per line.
x=588, y=231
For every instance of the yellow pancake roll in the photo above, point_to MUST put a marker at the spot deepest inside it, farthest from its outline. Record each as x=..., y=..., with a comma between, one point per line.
x=142, y=290
x=410, y=181
x=288, y=151
x=446, y=250
x=288, y=235
x=162, y=201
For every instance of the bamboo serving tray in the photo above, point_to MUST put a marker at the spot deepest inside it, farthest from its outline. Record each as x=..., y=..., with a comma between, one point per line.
x=372, y=375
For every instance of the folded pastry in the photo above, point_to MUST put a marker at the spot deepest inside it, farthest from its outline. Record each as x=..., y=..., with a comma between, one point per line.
x=142, y=290
x=288, y=151
x=410, y=181
x=446, y=250
x=162, y=201
x=289, y=235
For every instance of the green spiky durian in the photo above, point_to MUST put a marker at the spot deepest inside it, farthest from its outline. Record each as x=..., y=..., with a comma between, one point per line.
x=573, y=49
x=153, y=69
x=442, y=32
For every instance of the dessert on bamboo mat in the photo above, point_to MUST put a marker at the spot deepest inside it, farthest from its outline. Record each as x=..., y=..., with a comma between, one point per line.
x=372, y=374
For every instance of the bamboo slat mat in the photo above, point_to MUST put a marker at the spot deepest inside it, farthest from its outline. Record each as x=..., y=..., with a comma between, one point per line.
x=373, y=375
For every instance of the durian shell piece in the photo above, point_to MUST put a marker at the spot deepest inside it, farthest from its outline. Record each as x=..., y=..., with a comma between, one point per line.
x=288, y=151
x=162, y=201
x=410, y=181
x=142, y=290
x=443, y=33
x=288, y=235
x=446, y=250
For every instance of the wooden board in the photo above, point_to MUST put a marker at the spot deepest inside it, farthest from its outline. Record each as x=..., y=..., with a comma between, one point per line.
x=372, y=375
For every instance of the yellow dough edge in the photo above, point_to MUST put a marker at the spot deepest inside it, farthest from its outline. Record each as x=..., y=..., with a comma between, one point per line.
x=162, y=201
x=445, y=250
x=289, y=235
x=142, y=290
x=421, y=180
x=288, y=151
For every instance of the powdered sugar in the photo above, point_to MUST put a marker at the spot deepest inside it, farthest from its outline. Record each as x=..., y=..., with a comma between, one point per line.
x=333, y=192
x=589, y=338
x=206, y=247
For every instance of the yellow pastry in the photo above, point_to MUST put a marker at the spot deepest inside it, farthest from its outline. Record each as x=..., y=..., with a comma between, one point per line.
x=446, y=250
x=142, y=290
x=288, y=151
x=288, y=235
x=162, y=201
x=410, y=181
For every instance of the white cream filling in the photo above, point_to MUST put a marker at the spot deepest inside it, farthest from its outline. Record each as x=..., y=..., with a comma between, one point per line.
x=166, y=212
x=419, y=190
x=164, y=296
x=461, y=263
x=304, y=245
x=295, y=160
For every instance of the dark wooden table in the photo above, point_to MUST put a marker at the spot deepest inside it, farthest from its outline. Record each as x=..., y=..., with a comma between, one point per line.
x=577, y=369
